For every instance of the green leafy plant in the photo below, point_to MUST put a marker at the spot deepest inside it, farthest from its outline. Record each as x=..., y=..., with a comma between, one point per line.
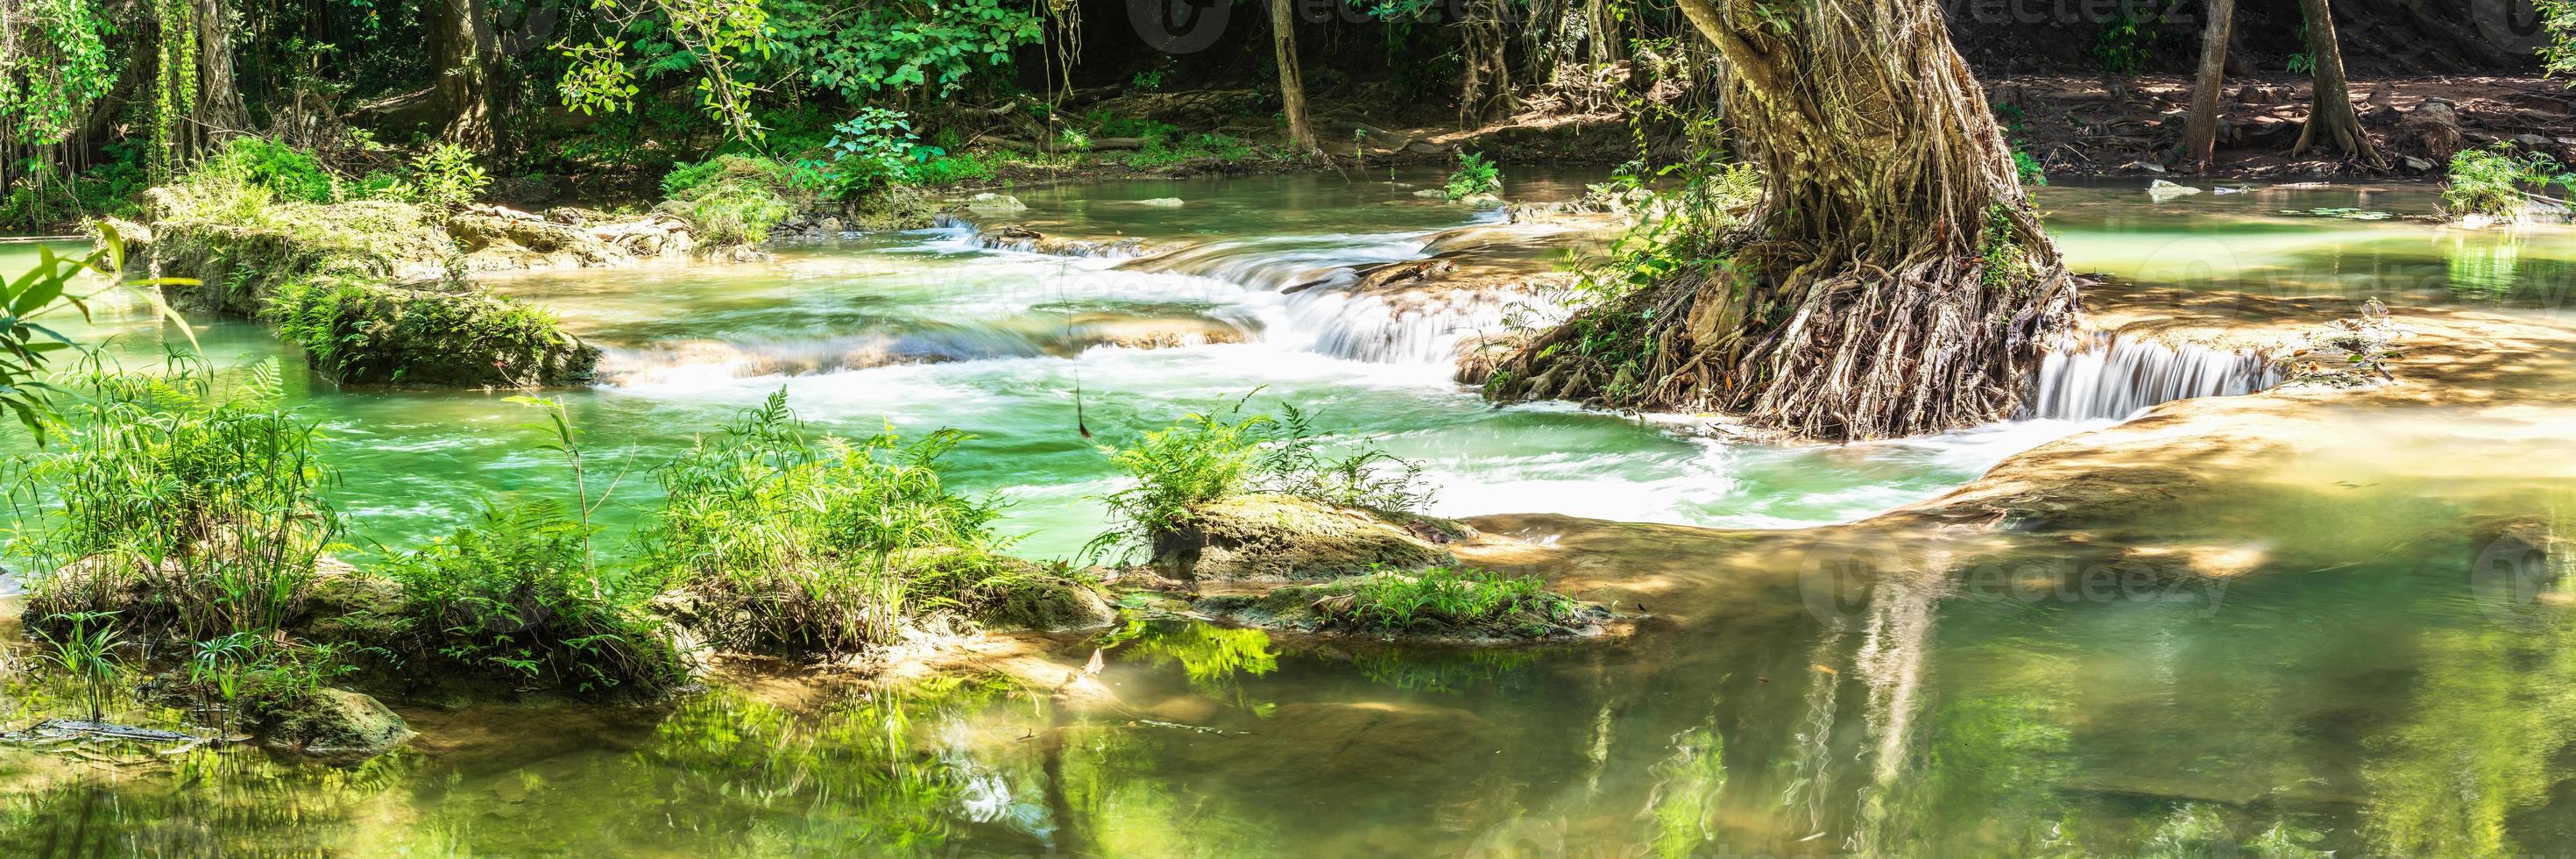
x=1443, y=599
x=826, y=540
x=1475, y=175
x=27, y=345
x=85, y=651
x=2124, y=44
x=512, y=593
x=446, y=177
x=2498, y=181
x=2028, y=168
x=732, y=199
x=1221, y=452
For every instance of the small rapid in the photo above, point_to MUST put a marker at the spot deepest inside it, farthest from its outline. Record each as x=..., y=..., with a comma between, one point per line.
x=2109, y=376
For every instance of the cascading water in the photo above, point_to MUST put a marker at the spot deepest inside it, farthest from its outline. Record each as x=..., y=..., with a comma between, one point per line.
x=2108, y=376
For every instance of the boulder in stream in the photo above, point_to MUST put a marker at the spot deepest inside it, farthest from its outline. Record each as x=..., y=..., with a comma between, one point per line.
x=332, y=724
x=1280, y=536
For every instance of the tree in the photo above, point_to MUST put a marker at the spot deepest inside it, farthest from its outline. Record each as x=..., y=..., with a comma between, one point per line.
x=1292, y=90
x=2331, y=119
x=1894, y=279
x=220, y=110
x=463, y=46
x=2200, y=133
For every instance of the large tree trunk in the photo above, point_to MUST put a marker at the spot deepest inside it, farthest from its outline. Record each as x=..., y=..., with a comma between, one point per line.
x=2331, y=120
x=2200, y=134
x=220, y=112
x=1292, y=89
x=1894, y=280
x=463, y=44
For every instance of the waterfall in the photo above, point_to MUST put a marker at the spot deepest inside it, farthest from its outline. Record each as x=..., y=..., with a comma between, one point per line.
x=1401, y=328
x=2105, y=375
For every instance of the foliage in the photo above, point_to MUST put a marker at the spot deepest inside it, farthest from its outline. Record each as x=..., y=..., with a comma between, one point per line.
x=2495, y=181
x=866, y=50
x=286, y=173
x=876, y=149
x=823, y=540
x=511, y=593
x=445, y=177
x=2558, y=19
x=54, y=62
x=1445, y=599
x=1210, y=455
x=2124, y=43
x=27, y=345
x=2002, y=257
x=732, y=199
x=357, y=331
x=720, y=38
x=206, y=499
x=2028, y=169
x=1475, y=175
x=86, y=653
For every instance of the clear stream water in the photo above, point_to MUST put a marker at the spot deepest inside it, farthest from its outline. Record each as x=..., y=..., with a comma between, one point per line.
x=2352, y=687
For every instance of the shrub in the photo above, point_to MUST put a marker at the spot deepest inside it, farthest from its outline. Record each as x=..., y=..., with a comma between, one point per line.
x=1210, y=455
x=2028, y=168
x=445, y=177
x=1474, y=176
x=2496, y=181
x=282, y=170
x=511, y=594
x=195, y=512
x=819, y=542
x=732, y=199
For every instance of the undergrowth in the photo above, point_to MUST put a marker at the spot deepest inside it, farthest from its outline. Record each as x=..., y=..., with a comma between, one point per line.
x=2497, y=181
x=1443, y=599
x=1210, y=455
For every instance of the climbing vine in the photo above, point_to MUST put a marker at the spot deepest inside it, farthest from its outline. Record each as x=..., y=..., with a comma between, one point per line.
x=174, y=91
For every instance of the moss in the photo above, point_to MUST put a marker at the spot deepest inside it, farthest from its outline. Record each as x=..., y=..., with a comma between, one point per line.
x=1252, y=536
x=333, y=724
x=359, y=333
x=374, y=291
x=1452, y=603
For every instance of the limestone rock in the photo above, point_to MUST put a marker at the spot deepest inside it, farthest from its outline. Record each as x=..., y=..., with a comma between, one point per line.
x=989, y=203
x=333, y=724
x=2161, y=190
x=1278, y=536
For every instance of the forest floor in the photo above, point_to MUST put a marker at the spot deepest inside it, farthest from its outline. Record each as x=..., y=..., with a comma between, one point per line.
x=2087, y=126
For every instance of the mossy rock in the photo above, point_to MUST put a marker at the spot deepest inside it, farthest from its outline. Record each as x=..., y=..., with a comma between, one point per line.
x=1279, y=536
x=374, y=292
x=359, y=333
x=332, y=724
x=1328, y=607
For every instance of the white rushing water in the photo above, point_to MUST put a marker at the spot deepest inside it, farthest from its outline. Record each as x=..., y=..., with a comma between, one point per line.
x=2106, y=376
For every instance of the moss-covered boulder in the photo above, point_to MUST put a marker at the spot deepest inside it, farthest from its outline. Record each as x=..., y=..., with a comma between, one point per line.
x=1440, y=604
x=374, y=291
x=1280, y=536
x=332, y=724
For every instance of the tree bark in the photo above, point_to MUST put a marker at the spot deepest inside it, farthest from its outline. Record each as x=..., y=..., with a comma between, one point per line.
x=220, y=111
x=2331, y=119
x=1894, y=280
x=463, y=43
x=1292, y=89
x=2200, y=133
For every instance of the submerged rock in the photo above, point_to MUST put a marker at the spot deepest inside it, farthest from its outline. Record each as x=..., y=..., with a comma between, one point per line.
x=1162, y=202
x=332, y=724
x=2161, y=190
x=989, y=203
x=1279, y=536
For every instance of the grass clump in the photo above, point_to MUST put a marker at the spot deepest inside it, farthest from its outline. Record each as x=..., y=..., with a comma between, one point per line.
x=190, y=509
x=822, y=546
x=1210, y=455
x=513, y=595
x=732, y=199
x=2498, y=181
x=1443, y=600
